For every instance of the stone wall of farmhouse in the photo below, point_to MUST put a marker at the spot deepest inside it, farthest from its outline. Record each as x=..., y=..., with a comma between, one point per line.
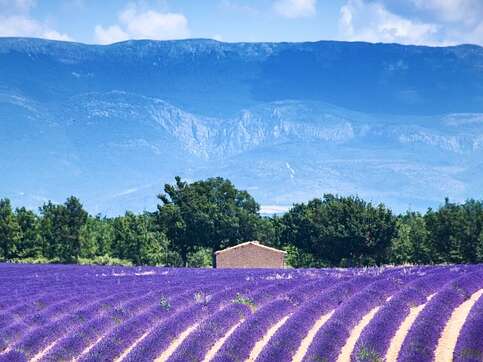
x=250, y=256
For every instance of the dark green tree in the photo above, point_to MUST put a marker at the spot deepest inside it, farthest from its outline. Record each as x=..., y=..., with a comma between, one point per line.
x=75, y=217
x=470, y=230
x=210, y=213
x=412, y=244
x=454, y=231
x=479, y=248
x=269, y=230
x=51, y=230
x=96, y=237
x=340, y=231
x=120, y=236
x=61, y=227
x=30, y=242
x=136, y=239
x=9, y=231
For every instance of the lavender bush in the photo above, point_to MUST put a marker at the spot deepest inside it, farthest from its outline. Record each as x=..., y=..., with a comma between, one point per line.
x=422, y=339
x=332, y=336
x=376, y=337
x=469, y=347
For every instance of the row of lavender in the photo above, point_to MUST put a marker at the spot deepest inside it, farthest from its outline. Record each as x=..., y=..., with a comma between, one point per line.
x=96, y=313
x=89, y=313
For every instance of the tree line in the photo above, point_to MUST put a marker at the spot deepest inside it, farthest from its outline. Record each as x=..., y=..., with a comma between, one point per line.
x=194, y=219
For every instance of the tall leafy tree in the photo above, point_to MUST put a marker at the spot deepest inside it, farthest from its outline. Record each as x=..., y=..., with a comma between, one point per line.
x=479, y=247
x=61, y=229
x=454, y=231
x=210, y=213
x=411, y=245
x=74, y=218
x=135, y=239
x=470, y=230
x=51, y=230
x=120, y=236
x=96, y=237
x=9, y=231
x=269, y=229
x=340, y=230
x=30, y=244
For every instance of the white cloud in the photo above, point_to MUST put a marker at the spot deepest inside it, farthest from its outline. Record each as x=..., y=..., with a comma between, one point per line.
x=149, y=24
x=467, y=11
x=54, y=35
x=372, y=22
x=15, y=20
x=110, y=34
x=295, y=8
x=428, y=22
x=21, y=25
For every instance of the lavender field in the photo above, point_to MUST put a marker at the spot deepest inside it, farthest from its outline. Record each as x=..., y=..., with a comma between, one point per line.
x=94, y=313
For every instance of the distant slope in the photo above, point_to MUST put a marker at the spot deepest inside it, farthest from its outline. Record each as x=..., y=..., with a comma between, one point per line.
x=207, y=76
x=287, y=121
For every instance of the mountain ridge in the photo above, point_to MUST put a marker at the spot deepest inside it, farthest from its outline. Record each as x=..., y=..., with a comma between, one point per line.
x=112, y=129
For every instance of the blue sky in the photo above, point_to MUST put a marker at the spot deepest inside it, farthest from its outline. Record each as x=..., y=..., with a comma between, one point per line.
x=428, y=22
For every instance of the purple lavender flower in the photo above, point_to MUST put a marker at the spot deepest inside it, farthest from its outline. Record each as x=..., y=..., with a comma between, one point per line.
x=469, y=347
x=422, y=339
x=113, y=310
x=376, y=337
x=331, y=337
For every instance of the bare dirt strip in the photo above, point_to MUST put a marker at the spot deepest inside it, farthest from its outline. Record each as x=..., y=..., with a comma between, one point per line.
x=88, y=348
x=216, y=347
x=398, y=339
x=449, y=337
x=175, y=344
x=307, y=341
x=346, y=351
x=42, y=353
x=131, y=347
x=257, y=349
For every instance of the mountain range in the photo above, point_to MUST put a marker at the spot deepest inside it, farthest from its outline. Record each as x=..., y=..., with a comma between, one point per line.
x=288, y=122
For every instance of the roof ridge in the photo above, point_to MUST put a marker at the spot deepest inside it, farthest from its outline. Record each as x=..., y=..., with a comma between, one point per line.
x=252, y=242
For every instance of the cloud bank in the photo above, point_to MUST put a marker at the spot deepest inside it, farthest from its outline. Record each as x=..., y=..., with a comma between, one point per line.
x=423, y=22
x=138, y=24
x=295, y=8
x=15, y=20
